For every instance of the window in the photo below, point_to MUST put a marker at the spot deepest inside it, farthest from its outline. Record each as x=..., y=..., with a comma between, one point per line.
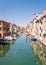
x=0, y=23
x=6, y=29
x=0, y=28
x=40, y=21
x=41, y=29
x=40, y=34
x=44, y=35
x=0, y=35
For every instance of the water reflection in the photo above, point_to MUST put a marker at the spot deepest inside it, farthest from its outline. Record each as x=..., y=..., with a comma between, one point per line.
x=13, y=41
x=4, y=49
x=40, y=52
x=19, y=50
x=5, y=46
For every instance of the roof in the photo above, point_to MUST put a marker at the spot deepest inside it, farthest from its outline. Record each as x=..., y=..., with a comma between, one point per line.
x=39, y=18
x=3, y=21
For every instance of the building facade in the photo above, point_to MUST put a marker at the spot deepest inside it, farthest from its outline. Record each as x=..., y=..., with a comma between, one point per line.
x=39, y=27
x=4, y=28
x=29, y=27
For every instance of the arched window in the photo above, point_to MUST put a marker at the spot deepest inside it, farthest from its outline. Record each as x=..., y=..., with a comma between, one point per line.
x=44, y=35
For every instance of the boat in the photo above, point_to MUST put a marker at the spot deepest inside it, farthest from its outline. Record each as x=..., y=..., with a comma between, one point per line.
x=9, y=38
x=4, y=42
x=33, y=38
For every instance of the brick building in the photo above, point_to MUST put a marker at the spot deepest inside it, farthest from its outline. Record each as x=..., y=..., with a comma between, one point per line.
x=4, y=28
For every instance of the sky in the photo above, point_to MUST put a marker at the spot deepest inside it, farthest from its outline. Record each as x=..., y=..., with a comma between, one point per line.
x=20, y=12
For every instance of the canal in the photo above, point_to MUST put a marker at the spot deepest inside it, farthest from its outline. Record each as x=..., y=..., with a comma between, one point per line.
x=21, y=52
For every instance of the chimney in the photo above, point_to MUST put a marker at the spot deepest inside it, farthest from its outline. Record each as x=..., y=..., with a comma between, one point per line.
x=44, y=12
x=34, y=15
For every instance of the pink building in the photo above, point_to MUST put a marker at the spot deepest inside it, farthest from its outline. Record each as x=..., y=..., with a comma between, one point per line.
x=29, y=27
x=39, y=27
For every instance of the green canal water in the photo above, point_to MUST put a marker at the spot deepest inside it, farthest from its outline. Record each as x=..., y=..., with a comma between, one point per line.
x=20, y=52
